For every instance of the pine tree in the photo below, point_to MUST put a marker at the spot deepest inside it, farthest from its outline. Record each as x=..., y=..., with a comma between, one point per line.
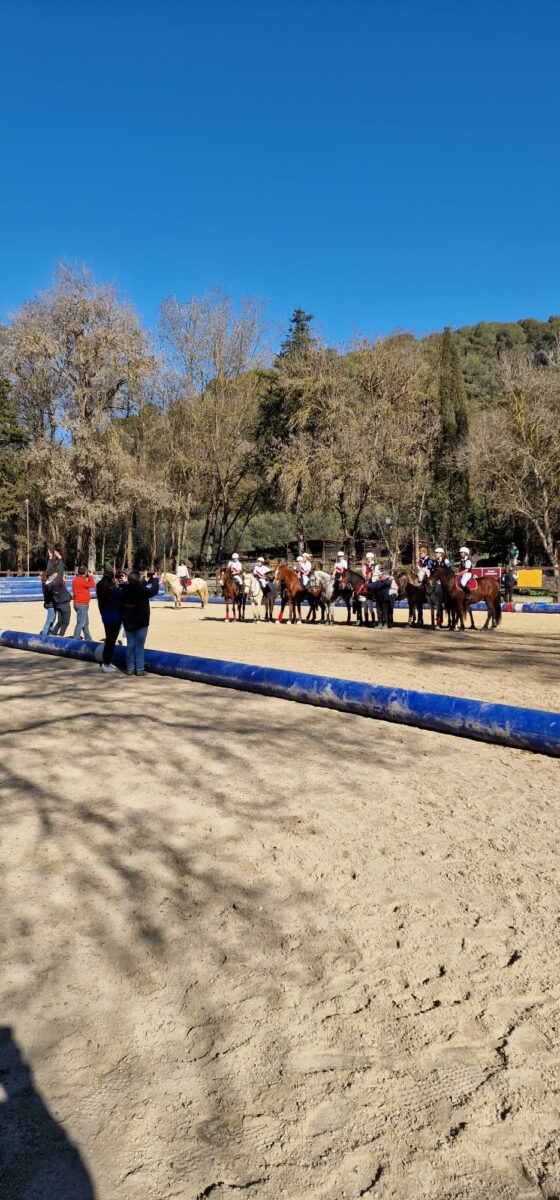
x=299, y=339
x=451, y=486
x=12, y=441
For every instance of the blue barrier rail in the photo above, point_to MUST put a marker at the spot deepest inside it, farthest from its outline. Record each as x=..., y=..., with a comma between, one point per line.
x=502, y=724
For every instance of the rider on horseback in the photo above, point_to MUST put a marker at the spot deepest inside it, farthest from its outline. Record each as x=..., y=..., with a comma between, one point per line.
x=340, y=565
x=441, y=559
x=465, y=567
x=424, y=565
x=260, y=572
x=236, y=571
x=370, y=569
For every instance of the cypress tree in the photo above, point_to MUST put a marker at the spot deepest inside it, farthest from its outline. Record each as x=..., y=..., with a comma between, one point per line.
x=12, y=440
x=451, y=485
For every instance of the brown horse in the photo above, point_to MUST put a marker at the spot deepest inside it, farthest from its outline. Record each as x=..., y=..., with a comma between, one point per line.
x=292, y=593
x=416, y=593
x=487, y=590
x=232, y=595
x=353, y=590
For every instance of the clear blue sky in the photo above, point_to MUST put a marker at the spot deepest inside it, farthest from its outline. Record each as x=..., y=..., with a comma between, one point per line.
x=381, y=163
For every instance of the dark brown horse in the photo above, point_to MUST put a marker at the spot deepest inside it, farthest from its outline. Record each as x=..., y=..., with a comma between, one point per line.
x=232, y=595
x=352, y=589
x=486, y=590
x=416, y=593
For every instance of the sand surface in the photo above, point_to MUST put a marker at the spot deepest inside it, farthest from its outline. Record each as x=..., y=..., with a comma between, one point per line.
x=253, y=948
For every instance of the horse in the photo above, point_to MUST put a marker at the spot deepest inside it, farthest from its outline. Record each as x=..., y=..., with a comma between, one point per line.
x=326, y=598
x=175, y=587
x=292, y=593
x=487, y=590
x=266, y=597
x=232, y=594
x=416, y=592
x=352, y=588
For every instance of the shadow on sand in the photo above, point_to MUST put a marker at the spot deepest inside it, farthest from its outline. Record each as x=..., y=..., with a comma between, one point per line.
x=37, y=1159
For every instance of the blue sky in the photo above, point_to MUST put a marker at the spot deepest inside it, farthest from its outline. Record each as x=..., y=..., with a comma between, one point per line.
x=382, y=163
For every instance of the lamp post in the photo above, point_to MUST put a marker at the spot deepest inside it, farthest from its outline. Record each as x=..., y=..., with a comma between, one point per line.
x=27, y=528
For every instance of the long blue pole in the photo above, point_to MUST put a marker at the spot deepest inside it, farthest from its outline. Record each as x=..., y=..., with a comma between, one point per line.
x=503, y=724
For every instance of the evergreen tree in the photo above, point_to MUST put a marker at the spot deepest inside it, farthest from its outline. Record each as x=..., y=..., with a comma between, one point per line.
x=12, y=441
x=451, y=487
x=299, y=339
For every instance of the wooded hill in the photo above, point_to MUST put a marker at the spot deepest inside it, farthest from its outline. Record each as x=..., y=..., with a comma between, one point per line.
x=131, y=446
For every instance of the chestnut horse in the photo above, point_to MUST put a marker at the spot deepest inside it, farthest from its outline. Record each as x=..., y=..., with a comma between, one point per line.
x=460, y=603
x=232, y=595
x=292, y=593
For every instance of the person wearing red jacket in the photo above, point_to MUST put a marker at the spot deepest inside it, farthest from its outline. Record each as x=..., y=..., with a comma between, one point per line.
x=81, y=585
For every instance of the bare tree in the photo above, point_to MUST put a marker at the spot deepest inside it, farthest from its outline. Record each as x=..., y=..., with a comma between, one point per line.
x=77, y=357
x=514, y=450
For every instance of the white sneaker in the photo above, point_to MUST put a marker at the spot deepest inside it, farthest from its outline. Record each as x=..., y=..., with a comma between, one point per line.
x=106, y=668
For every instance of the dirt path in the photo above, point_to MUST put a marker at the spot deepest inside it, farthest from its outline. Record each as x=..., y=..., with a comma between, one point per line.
x=255, y=948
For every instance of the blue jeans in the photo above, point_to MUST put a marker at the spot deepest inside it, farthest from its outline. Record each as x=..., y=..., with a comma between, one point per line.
x=82, y=621
x=49, y=622
x=135, y=639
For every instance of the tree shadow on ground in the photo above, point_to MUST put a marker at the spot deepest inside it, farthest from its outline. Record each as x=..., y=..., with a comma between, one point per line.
x=37, y=1159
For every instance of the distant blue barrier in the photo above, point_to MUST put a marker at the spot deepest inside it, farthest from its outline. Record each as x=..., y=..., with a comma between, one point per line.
x=502, y=724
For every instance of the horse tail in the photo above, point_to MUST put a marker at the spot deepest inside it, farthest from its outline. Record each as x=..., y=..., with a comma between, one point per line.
x=498, y=608
x=204, y=593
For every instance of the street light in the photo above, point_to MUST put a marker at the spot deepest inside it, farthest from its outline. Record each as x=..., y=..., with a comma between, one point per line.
x=27, y=525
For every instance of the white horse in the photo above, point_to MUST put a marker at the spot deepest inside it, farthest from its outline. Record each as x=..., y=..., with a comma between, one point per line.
x=326, y=585
x=255, y=594
x=172, y=583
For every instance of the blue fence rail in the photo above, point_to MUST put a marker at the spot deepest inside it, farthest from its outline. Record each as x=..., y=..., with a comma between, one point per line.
x=501, y=724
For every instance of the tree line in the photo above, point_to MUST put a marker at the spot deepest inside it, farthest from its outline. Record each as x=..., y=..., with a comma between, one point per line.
x=132, y=447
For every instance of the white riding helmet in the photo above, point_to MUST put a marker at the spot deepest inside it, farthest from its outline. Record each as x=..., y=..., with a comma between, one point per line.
x=439, y=550
x=340, y=554
x=464, y=550
x=260, y=559
x=235, y=556
x=299, y=558
x=370, y=554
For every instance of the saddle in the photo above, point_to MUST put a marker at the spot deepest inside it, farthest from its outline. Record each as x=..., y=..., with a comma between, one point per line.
x=470, y=587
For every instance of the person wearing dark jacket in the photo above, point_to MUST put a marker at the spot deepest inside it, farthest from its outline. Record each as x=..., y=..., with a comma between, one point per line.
x=136, y=595
x=47, y=600
x=56, y=590
x=382, y=593
x=109, y=602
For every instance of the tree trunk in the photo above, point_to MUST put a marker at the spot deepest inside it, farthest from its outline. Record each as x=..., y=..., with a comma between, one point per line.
x=91, y=547
x=128, y=548
x=298, y=508
x=102, y=564
x=153, y=548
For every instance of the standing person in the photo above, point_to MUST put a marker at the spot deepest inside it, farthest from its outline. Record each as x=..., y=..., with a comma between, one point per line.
x=81, y=584
x=136, y=595
x=512, y=555
x=370, y=574
x=382, y=591
x=47, y=602
x=183, y=574
x=509, y=581
x=109, y=602
x=55, y=586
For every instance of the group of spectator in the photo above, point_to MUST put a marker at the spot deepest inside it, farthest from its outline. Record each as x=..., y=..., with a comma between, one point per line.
x=123, y=601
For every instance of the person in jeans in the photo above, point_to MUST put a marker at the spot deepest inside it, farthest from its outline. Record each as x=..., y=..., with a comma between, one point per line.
x=47, y=602
x=109, y=602
x=55, y=589
x=136, y=596
x=81, y=585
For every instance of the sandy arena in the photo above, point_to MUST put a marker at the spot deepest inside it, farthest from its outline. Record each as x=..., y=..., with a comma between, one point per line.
x=254, y=948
